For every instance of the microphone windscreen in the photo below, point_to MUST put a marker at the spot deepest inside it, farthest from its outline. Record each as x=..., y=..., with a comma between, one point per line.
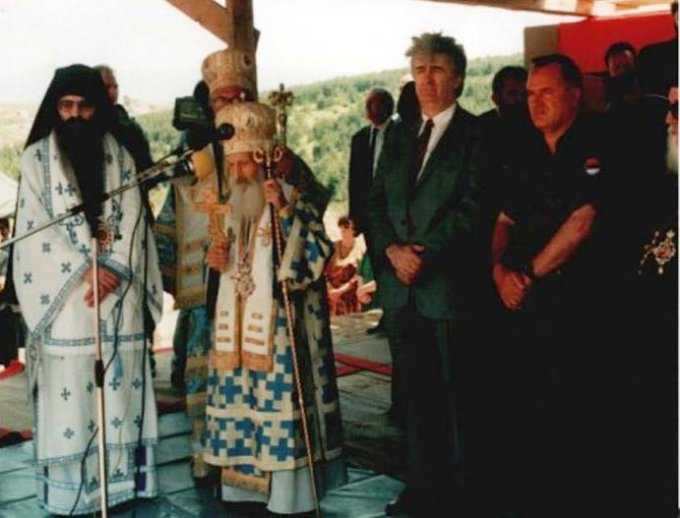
x=224, y=131
x=203, y=162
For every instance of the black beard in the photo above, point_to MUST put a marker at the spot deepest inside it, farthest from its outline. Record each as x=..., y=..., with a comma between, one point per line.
x=82, y=143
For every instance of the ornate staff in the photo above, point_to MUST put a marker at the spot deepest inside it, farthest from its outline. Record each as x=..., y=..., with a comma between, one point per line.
x=268, y=159
x=281, y=100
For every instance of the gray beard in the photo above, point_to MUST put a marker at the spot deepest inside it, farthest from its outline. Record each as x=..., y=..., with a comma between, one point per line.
x=246, y=199
x=672, y=153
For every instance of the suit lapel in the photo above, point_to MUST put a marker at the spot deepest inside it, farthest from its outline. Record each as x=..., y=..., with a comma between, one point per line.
x=448, y=141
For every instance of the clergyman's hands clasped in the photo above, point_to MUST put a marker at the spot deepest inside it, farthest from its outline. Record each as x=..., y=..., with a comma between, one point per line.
x=108, y=282
x=406, y=261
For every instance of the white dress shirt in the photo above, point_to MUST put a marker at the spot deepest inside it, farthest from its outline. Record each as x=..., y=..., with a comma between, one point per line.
x=440, y=123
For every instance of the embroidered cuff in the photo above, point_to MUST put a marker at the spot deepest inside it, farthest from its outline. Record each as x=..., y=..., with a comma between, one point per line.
x=118, y=268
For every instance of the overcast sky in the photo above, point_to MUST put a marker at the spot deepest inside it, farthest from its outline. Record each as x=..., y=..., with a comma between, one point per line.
x=156, y=50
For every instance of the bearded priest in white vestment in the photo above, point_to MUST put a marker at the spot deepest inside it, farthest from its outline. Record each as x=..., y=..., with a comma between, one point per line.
x=70, y=159
x=253, y=424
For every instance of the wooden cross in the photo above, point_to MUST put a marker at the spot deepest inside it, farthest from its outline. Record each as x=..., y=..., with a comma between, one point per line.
x=281, y=100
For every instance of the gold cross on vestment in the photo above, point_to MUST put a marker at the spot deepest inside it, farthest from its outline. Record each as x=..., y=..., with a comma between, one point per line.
x=210, y=206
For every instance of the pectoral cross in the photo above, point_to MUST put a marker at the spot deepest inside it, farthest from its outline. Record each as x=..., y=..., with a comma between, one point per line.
x=210, y=206
x=281, y=100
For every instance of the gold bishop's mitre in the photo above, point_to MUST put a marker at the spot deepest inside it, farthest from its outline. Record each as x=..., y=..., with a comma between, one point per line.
x=230, y=67
x=254, y=126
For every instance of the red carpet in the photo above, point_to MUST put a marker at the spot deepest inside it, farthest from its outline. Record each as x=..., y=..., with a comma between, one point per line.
x=361, y=364
x=15, y=367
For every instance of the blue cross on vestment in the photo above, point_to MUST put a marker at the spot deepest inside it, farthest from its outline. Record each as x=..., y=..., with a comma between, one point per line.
x=114, y=384
x=59, y=188
x=65, y=394
x=89, y=387
x=70, y=190
x=29, y=224
x=44, y=299
x=91, y=426
x=312, y=251
x=28, y=278
x=245, y=426
x=116, y=422
x=68, y=433
x=281, y=450
x=239, y=449
x=216, y=443
x=38, y=155
x=279, y=386
x=137, y=383
x=286, y=361
x=65, y=267
x=230, y=390
x=46, y=248
x=138, y=421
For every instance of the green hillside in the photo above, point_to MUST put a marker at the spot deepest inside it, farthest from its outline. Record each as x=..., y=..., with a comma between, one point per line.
x=323, y=119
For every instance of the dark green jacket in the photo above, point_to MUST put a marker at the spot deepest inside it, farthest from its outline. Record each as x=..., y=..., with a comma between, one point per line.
x=442, y=209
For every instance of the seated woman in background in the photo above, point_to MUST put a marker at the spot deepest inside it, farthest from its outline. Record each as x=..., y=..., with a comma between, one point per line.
x=341, y=271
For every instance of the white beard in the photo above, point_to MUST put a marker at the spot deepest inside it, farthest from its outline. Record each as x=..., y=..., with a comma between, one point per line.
x=246, y=199
x=672, y=152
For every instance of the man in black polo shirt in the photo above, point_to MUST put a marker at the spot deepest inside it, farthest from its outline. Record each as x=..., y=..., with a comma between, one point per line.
x=543, y=272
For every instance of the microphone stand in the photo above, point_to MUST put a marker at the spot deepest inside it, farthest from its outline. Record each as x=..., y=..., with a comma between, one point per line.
x=99, y=374
x=153, y=172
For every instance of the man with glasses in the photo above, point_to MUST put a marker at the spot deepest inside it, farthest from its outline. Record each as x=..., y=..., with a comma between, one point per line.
x=71, y=158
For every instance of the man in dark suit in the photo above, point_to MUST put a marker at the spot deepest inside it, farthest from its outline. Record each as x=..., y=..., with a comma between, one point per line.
x=421, y=210
x=367, y=144
x=658, y=63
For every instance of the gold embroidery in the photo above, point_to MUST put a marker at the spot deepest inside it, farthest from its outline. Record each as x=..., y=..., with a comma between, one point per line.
x=223, y=339
x=257, y=316
x=257, y=329
x=223, y=327
x=254, y=341
x=266, y=234
x=662, y=250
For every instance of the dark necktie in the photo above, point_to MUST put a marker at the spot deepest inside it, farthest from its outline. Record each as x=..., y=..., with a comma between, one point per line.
x=421, y=150
x=371, y=150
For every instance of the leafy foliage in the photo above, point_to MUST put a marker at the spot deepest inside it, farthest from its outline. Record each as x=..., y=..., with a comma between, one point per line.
x=322, y=120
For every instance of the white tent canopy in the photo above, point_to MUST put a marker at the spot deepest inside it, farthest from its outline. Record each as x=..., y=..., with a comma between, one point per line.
x=8, y=195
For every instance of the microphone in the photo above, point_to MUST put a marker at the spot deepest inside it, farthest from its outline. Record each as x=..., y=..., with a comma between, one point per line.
x=198, y=138
x=196, y=164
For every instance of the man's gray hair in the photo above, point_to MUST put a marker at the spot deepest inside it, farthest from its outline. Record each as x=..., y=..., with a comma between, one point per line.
x=430, y=43
x=104, y=69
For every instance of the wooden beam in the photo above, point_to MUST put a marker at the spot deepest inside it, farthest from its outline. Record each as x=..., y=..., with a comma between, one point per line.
x=209, y=15
x=564, y=7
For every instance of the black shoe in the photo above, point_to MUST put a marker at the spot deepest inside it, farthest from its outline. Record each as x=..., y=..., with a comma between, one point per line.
x=396, y=416
x=378, y=329
x=404, y=504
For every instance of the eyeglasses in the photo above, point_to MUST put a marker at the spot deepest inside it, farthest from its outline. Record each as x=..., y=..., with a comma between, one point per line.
x=673, y=109
x=71, y=104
